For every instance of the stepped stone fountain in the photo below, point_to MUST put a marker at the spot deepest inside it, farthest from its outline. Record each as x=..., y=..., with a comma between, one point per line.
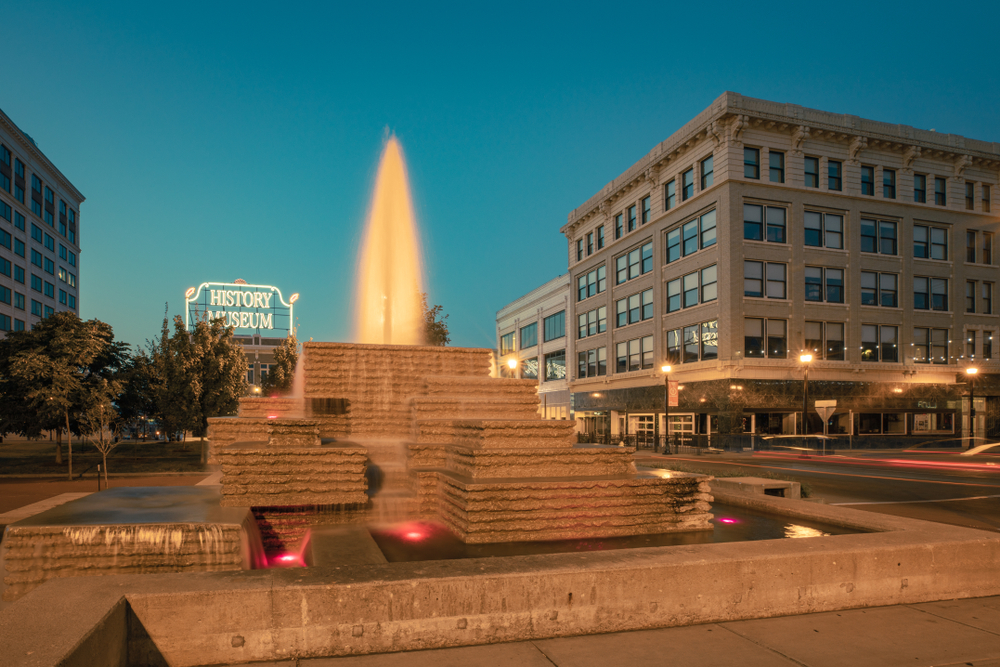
x=471, y=452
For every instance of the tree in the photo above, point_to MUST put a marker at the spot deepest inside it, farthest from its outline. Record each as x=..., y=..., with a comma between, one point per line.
x=281, y=372
x=102, y=421
x=198, y=374
x=48, y=375
x=137, y=399
x=435, y=325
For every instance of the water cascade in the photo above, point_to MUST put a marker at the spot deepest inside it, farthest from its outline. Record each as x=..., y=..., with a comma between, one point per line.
x=389, y=274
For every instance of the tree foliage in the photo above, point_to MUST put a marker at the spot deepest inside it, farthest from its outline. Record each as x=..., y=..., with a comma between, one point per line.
x=198, y=374
x=52, y=375
x=281, y=372
x=435, y=323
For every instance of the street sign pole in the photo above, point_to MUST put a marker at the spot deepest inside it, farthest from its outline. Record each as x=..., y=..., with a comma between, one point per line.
x=825, y=409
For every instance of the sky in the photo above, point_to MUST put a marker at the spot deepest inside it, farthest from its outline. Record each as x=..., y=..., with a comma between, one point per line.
x=216, y=141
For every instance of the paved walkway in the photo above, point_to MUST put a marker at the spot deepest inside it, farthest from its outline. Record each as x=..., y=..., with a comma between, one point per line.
x=935, y=634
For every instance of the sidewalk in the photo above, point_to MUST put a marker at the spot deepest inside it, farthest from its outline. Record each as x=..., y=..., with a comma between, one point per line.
x=934, y=634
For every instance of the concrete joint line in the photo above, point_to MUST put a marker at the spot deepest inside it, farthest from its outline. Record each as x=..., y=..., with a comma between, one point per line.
x=763, y=646
x=952, y=620
x=544, y=654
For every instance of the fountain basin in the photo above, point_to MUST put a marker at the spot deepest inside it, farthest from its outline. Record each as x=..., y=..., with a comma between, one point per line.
x=130, y=530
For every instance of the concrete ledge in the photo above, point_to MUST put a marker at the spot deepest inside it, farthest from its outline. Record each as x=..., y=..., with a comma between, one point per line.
x=331, y=611
x=758, y=485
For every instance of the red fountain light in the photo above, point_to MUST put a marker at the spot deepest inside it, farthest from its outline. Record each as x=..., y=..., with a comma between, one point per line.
x=727, y=520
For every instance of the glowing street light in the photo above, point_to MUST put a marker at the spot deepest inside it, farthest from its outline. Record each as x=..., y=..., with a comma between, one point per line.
x=512, y=364
x=806, y=359
x=665, y=369
x=971, y=374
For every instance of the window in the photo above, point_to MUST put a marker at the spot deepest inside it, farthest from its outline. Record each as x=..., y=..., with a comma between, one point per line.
x=49, y=205
x=645, y=210
x=590, y=244
x=72, y=301
x=250, y=374
x=592, y=363
x=687, y=239
x=708, y=229
x=776, y=162
x=634, y=355
x=879, y=343
x=62, y=217
x=5, y=267
x=529, y=335
x=5, y=176
x=930, y=242
x=62, y=252
x=19, y=274
x=687, y=185
x=62, y=297
x=707, y=172
x=36, y=233
x=18, y=325
x=688, y=287
x=825, y=340
x=824, y=284
x=19, y=221
x=878, y=236
x=987, y=247
x=631, y=218
x=600, y=237
x=698, y=342
x=592, y=322
x=754, y=217
x=72, y=258
x=579, y=249
x=507, y=343
x=970, y=196
x=765, y=338
x=72, y=280
x=555, y=326
x=618, y=226
x=930, y=346
x=36, y=258
x=5, y=210
x=36, y=196
x=18, y=180
x=669, y=195
x=987, y=344
x=5, y=322
x=941, y=191
x=50, y=266
x=812, y=172
x=868, y=181
x=970, y=296
x=879, y=289
x=970, y=344
x=50, y=290
x=709, y=284
x=824, y=229
x=36, y=308
x=970, y=247
x=633, y=264
x=4, y=294
x=18, y=300
x=986, y=199
x=590, y=283
x=18, y=247
x=72, y=226
x=889, y=183
x=834, y=172
x=63, y=274
x=634, y=308
x=529, y=368
x=987, y=297
x=674, y=295
x=930, y=293
x=920, y=188
x=689, y=233
x=764, y=279
x=751, y=163
x=5, y=239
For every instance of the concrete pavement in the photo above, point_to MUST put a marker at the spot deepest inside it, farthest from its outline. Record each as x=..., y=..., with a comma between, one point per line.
x=935, y=634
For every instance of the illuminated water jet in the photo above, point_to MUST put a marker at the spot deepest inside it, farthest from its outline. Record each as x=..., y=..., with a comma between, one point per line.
x=389, y=274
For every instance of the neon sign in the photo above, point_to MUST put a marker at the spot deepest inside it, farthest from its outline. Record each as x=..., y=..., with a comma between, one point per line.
x=247, y=308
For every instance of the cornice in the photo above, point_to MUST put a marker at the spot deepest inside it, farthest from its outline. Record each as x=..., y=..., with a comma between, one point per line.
x=29, y=147
x=731, y=114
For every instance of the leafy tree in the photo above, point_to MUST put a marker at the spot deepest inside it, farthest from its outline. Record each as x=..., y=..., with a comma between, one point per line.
x=49, y=375
x=198, y=374
x=435, y=324
x=281, y=373
x=102, y=421
x=137, y=399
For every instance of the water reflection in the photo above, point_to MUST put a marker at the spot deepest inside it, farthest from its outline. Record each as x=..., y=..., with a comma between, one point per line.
x=792, y=531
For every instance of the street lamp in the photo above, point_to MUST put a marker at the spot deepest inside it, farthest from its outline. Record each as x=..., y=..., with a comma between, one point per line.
x=971, y=374
x=666, y=406
x=512, y=364
x=805, y=359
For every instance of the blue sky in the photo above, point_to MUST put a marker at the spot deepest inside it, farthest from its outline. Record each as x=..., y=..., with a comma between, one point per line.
x=216, y=141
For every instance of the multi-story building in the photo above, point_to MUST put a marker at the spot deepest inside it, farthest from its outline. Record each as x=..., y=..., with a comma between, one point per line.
x=760, y=232
x=532, y=333
x=39, y=233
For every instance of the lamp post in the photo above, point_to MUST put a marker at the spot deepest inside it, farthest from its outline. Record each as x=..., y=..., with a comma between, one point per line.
x=971, y=374
x=512, y=364
x=805, y=359
x=666, y=407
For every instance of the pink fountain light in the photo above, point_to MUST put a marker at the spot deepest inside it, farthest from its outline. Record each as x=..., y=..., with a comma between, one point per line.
x=728, y=520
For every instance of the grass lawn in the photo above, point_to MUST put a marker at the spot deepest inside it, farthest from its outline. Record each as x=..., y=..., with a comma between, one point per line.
x=23, y=457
